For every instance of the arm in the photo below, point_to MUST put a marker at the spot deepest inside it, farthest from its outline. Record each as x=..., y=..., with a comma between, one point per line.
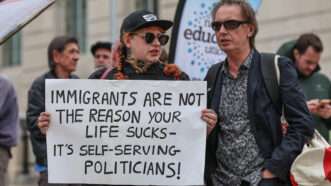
x=325, y=110
x=36, y=105
x=297, y=115
x=8, y=114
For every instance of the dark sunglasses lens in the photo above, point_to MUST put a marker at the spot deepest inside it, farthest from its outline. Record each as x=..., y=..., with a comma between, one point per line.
x=231, y=25
x=149, y=38
x=216, y=26
x=163, y=39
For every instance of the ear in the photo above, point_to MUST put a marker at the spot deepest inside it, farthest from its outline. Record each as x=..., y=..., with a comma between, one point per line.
x=127, y=40
x=251, y=30
x=296, y=54
x=56, y=56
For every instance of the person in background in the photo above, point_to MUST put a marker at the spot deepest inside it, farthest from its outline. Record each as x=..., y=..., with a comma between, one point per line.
x=63, y=56
x=8, y=125
x=247, y=147
x=101, y=52
x=306, y=52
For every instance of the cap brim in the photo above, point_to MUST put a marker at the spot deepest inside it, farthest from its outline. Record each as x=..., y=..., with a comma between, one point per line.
x=164, y=24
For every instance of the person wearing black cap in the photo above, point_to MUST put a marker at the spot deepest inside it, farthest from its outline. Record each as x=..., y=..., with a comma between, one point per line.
x=63, y=56
x=101, y=52
x=142, y=36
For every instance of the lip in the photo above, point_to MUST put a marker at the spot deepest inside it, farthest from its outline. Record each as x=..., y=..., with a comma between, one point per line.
x=154, y=52
x=225, y=40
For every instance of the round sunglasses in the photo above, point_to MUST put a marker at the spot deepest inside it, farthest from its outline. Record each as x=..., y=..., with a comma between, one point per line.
x=228, y=25
x=150, y=37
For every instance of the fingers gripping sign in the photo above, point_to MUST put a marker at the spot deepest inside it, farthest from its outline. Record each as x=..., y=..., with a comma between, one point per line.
x=210, y=117
x=43, y=122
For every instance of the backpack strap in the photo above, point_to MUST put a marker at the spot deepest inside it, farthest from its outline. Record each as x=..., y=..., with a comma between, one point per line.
x=270, y=73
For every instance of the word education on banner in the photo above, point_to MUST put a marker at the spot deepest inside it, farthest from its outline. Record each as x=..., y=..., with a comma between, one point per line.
x=126, y=132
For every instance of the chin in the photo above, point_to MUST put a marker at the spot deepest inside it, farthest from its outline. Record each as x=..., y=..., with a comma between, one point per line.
x=153, y=60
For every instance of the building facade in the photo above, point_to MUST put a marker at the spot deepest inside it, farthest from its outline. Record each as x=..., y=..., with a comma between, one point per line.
x=24, y=56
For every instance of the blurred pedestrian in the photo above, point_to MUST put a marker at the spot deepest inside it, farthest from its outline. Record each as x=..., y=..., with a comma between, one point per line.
x=63, y=56
x=306, y=52
x=102, y=54
x=8, y=125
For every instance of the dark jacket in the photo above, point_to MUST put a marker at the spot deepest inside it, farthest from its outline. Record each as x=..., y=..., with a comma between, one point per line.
x=8, y=114
x=36, y=105
x=154, y=72
x=278, y=151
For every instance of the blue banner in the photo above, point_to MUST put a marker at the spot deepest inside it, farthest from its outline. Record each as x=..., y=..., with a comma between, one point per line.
x=193, y=46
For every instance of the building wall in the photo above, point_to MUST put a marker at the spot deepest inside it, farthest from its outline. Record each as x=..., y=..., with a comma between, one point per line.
x=279, y=21
x=284, y=20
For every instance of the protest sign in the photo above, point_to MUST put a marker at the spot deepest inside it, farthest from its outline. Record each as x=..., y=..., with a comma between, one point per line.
x=15, y=14
x=126, y=132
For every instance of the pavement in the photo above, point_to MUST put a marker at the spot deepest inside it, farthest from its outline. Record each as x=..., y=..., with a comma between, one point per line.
x=23, y=180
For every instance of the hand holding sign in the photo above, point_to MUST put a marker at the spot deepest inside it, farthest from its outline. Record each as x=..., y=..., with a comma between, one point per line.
x=210, y=117
x=43, y=122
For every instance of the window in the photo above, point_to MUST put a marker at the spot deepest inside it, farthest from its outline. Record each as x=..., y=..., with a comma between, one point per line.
x=11, y=51
x=151, y=5
x=76, y=21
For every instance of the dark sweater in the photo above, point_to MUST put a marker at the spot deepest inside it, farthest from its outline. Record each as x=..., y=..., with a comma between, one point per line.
x=8, y=114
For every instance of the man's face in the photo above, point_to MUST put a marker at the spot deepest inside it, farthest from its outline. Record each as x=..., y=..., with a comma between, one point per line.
x=67, y=60
x=235, y=38
x=102, y=58
x=140, y=49
x=308, y=61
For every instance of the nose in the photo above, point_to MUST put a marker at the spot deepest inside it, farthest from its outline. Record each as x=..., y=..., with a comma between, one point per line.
x=222, y=29
x=76, y=56
x=312, y=67
x=156, y=42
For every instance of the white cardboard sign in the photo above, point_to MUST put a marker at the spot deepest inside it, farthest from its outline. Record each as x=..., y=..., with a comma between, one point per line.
x=126, y=132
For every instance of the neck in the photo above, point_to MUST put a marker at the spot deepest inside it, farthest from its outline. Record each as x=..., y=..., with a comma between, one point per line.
x=61, y=74
x=236, y=59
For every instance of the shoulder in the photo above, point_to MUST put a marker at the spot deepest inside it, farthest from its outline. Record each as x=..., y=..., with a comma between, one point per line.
x=39, y=82
x=212, y=71
x=174, y=71
x=216, y=65
x=286, y=49
x=74, y=76
x=5, y=84
x=321, y=77
x=184, y=76
x=97, y=74
x=286, y=64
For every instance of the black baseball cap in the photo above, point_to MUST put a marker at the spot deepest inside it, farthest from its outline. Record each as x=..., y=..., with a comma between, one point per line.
x=100, y=44
x=142, y=19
